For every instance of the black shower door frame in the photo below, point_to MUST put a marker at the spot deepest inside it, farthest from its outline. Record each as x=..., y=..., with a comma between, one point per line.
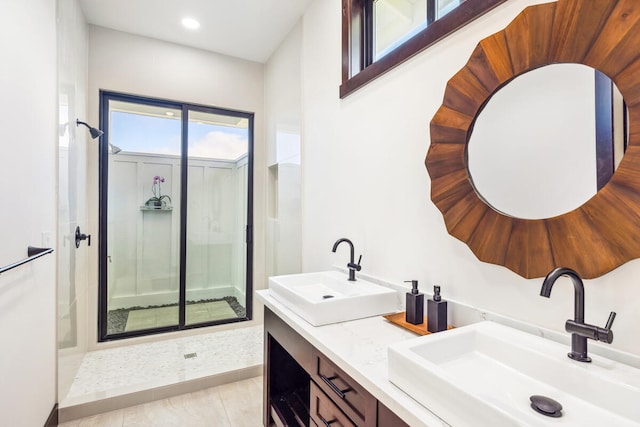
x=103, y=183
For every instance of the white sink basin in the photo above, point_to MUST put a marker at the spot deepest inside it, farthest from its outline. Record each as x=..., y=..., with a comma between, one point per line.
x=328, y=297
x=483, y=375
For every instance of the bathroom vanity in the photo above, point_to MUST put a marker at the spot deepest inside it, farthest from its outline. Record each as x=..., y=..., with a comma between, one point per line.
x=303, y=386
x=369, y=372
x=333, y=374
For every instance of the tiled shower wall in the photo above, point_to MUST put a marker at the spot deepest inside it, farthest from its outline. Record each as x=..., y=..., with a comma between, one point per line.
x=283, y=133
x=72, y=191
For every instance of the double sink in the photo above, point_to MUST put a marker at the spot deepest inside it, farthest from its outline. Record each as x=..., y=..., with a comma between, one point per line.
x=482, y=374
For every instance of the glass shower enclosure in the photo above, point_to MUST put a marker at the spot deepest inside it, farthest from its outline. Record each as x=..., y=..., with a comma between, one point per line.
x=175, y=216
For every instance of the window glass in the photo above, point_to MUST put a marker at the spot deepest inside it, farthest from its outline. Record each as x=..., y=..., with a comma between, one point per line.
x=396, y=21
x=216, y=136
x=140, y=128
x=374, y=28
x=446, y=6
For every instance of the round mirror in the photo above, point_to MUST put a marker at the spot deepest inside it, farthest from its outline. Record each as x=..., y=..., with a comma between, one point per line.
x=532, y=152
x=592, y=238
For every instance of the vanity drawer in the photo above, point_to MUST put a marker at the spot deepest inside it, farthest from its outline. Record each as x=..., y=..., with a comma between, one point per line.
x=324, y=412
x=347, y=394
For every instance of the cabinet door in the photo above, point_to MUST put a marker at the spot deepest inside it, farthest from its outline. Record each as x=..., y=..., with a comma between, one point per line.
x=386, y=418
x=324, y=412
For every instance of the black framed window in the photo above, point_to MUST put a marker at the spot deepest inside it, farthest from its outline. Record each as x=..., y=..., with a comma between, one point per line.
x=378, y=35
x=176, y=216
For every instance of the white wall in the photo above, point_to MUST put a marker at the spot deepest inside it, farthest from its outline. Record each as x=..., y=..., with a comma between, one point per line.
x=28, y=132
x=141, y=66
x=72, y=195
x=283, y=104
x=364, y=178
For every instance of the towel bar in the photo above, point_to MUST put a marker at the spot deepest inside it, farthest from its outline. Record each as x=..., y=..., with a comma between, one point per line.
x=32, y=253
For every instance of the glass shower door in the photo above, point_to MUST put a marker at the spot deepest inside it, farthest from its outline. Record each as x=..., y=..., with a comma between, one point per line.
x=217, y=186
x=175, y=216
x=143, y=217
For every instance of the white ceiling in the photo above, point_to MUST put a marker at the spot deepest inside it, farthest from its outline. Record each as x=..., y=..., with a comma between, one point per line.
x=248, y=29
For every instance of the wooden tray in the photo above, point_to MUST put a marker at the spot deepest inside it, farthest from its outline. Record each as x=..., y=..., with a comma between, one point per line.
x=399, y=319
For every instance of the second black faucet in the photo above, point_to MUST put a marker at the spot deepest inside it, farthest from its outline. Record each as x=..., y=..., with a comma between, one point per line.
x=579, y=330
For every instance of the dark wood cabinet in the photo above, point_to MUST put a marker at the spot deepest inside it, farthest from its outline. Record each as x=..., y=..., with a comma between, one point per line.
x=304, y=388
x=324, y=412
x=386, y=418
x=288, y=359
x=348, y=395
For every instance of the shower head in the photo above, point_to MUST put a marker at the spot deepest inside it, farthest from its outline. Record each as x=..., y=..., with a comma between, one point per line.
x=95, y=133
x=114, y=149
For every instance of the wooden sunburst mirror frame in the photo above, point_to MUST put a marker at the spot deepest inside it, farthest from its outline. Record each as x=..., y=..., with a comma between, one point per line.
x=604, y=232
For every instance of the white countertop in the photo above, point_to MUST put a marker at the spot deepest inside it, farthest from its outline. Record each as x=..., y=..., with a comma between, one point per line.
x=359, y=347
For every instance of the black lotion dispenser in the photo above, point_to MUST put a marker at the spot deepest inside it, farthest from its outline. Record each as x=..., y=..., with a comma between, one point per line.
x=436, y=312
x=415, y=304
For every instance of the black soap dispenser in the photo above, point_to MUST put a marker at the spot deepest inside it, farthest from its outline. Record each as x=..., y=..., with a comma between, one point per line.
x=415, y=304
x=436, y=312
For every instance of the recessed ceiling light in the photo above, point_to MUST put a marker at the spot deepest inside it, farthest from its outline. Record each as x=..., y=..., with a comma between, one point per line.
x=169, y=113
x=190, y=23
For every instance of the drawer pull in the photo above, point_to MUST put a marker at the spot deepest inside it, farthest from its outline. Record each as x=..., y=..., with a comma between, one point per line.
x=327, y=423
x=334, y=387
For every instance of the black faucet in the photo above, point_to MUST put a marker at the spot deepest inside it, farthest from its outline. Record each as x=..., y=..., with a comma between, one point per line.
x=579, y=330
x=353, y=267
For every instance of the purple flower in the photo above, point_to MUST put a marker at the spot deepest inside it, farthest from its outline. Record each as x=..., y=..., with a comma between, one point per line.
x=156, y=189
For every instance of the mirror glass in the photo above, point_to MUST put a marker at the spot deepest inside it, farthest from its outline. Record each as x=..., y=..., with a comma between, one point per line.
x=532, y=152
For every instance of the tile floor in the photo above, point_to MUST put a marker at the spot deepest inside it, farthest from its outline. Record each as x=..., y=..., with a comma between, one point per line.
x=237, y=404
x=140, y=368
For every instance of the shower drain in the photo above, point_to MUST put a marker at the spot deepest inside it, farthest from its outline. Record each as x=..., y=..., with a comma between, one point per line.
x=190, y=355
